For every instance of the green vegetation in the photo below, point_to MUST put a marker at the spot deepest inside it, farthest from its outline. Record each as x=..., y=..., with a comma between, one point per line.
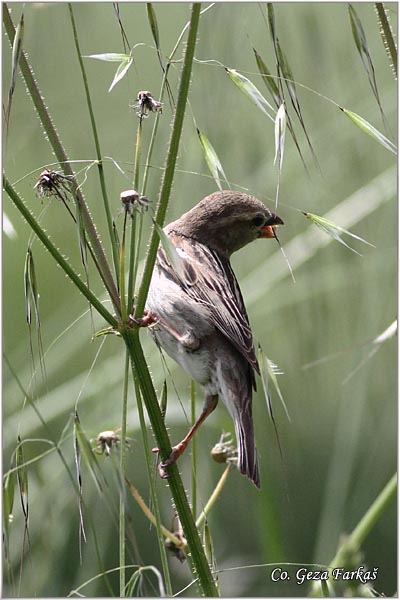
x=88, y=514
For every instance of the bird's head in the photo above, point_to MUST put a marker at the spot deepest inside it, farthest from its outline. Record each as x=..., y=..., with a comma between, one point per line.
x=226, y=221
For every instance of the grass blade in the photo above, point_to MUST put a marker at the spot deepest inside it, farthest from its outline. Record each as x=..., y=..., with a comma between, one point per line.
x=212, y=160
x=365, y=54
x=283, y=70
x=249, y=89
x=28, y=291
x=277, y=97
x=265, y=370
x=121, y=72
x=271, y=370
x=370, y=130
x=287, y=73
x=268, y=79
x=77, y=453
x=271, y=24
x=8, y=501
x=387, y=36
x=375, y=345
x=109, y=57
x=86, y=452
x=32, y=284
x=16, y=52
x=32, y=301
x=164, y=399
x=151, y=15
x=387, y=334
x=125, y=61
x=334, y=231
x=22, y=477
x=280, y=130
x=8, y=228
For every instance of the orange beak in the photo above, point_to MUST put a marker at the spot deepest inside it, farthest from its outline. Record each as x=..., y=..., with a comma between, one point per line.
x=267, y=232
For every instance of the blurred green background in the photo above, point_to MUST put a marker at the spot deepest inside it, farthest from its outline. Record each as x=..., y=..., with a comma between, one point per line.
x=340, y=447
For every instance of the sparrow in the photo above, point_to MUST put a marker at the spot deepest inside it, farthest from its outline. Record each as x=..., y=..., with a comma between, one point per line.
x=199, y=313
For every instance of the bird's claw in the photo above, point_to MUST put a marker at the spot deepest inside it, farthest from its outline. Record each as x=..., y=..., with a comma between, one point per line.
x=173, y=457
x=149, y=318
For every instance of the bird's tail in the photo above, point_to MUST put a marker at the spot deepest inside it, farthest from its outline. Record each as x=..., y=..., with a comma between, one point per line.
x=247, y=459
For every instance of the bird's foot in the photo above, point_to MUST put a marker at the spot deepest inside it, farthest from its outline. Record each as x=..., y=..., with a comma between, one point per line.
x=188, y=340
x=149, y=318
x=173, y=457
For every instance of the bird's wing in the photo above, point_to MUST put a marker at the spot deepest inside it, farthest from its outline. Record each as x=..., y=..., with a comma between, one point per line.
x=209, y=279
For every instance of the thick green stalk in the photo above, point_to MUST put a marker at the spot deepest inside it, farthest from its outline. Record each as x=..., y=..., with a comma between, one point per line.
x=64, y=264
x=353, y=542
x=55, y=142
x=97, y=146
x=196, y=554
x=171, y=158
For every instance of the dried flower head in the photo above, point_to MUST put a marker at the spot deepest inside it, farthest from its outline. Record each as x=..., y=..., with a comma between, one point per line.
x=106, y=440
x=131, y=201
x=53, y=183
x=146, y=104
x=224, y=451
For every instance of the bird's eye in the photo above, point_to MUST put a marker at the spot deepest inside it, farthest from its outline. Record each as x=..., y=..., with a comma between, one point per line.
x=258, y=220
